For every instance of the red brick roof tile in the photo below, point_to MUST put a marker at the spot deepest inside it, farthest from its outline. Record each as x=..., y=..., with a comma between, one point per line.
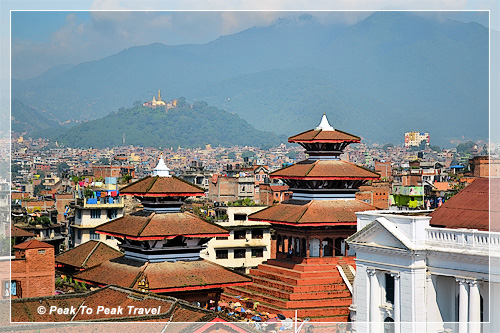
x=324, y=136
x=166, y=186
x=193, y=273
x=88, y=254
x=170, y=309
x=33, y=244
x=120, y=271
x=317, y=212
x=325, y=170
x=18, y=232
x=166, y=225
x=470, y=208
x=162, y=276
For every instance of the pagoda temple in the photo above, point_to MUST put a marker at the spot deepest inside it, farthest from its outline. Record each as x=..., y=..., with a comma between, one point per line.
x=162, y=245
x=313, y=270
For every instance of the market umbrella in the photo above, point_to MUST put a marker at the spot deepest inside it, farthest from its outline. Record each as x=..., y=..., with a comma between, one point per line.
x=256, y=318
x=239, y=309
x=272, y=315
x=280, y=316
x=237, y=304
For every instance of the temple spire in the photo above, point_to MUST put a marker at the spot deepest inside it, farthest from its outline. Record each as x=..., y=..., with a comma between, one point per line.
x=161, y=168
x=324, y=125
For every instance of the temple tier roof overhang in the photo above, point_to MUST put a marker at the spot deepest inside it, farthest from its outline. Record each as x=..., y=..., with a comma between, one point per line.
x=145, y=225
x=325, y=170
x=313, y=213
x=314, y=135
x=164, y=276
x=157, y=186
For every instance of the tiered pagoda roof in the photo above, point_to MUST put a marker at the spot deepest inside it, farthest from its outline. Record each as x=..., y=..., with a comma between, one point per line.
x=326, y=170
x=147, y=225
x=161, y=243
x=321, y=135
x=313, y=213
x=157, y=186
x=312, y=261
x=162, y=277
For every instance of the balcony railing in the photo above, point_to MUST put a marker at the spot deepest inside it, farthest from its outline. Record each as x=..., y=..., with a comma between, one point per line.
x=463, y=239
x=102, y=201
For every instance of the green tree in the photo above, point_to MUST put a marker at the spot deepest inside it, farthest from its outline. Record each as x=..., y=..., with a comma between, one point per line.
x=231, y=156
x=247, y=153
x=38, y=189
x=436, y=149
x=15, y=168
x=43, y=220
x=465, y=147
x=62, y=167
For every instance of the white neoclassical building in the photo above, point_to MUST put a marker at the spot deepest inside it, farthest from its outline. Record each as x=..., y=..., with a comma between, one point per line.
x=420, y=272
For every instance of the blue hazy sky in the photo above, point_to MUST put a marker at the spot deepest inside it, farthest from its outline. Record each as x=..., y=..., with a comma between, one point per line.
x=41, y=40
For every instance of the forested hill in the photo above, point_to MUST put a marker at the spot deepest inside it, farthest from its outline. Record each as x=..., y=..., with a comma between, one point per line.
x=186, y=126
x=27, y=119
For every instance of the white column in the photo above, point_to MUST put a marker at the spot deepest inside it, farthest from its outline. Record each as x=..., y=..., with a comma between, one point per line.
x=397, y=303
x=463, y=315
x=374, y=311
x=474, y=307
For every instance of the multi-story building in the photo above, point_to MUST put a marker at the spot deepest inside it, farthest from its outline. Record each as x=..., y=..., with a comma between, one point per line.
x=439, y=270
x=248, y=243
x=197, y=175
x=93, y=207
x=32, y=271
x=415, y=138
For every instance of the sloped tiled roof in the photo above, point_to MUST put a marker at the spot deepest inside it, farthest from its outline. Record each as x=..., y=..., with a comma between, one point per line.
x=142, y=224
x=88, y=254
x=311, y=213
x=470, y=208
x=324, y=136
x=33, y=244
x=170, y=309
x=18, y=232
x=162, y=186
x=121, y=271
x=163, y=276
x=322, y=169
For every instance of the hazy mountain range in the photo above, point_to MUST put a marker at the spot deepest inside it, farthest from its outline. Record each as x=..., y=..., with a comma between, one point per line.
x=390, y=73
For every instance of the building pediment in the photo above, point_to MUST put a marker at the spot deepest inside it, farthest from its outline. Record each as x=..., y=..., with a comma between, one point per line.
x=381, y=233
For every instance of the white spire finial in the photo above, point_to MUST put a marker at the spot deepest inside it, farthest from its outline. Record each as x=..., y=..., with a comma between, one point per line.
x=324, y=125
x=161, y=168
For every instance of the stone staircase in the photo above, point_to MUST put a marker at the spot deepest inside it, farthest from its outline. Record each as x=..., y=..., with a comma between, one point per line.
x=347, y=270
x=317, y=291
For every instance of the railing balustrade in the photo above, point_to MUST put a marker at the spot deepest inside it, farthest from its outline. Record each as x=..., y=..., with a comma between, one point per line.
x=463, y=238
